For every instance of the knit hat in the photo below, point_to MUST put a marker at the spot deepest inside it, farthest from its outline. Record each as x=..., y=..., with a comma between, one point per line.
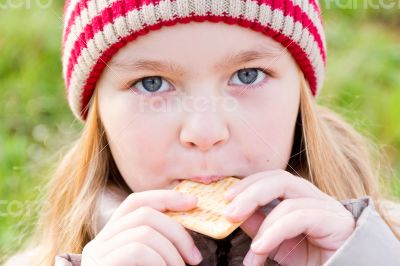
x=94, y=30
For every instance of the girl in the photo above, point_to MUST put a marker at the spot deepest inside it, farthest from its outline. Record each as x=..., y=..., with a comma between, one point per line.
x=205, y=100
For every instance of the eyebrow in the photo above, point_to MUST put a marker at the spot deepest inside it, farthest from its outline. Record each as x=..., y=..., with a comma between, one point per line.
x=234, y=58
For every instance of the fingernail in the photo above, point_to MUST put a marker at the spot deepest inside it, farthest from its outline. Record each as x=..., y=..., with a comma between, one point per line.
x=230, y=210
x=256, y=245
x=230, y=192
x=248, y=260
x=197, y=255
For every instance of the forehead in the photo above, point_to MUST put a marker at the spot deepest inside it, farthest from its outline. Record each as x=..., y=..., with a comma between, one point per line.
x=205, y=44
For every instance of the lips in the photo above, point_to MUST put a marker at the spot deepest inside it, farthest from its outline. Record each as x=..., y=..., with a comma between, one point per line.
x=208, y=179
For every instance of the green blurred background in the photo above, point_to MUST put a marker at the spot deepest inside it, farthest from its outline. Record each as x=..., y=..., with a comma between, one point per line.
x=363, y=84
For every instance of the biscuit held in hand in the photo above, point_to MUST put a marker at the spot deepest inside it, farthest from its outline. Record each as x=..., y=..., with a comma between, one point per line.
x=207, y=218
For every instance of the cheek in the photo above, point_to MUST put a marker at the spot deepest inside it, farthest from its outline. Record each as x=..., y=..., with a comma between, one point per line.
x=140, y=155
x=139, y=141
x=268, y=144
x=267, y=127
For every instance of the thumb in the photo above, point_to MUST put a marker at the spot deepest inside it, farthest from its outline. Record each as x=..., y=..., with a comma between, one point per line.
x=253, y=223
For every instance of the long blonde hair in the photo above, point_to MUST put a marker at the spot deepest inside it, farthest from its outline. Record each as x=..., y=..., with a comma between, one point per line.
x=327, y=151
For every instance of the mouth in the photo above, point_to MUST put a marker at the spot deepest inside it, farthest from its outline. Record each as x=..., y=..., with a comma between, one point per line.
x=210, y=178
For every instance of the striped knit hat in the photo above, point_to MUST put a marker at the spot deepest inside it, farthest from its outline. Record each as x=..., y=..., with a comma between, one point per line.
x=94, y=30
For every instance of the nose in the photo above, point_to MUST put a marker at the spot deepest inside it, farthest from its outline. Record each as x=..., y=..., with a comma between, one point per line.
x=204, y=130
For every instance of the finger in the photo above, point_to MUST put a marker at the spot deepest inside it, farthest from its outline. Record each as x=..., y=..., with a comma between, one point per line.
x=161, y=200
x=289, y=252
x=252, y=259
x=267, y=189
x=289, y=205
x=275, y=174
x=171, y=229
x=148, y=236
x=238, y=187
x=253, y=223
x=318, y=224
x=283, y=208
x=134, y=254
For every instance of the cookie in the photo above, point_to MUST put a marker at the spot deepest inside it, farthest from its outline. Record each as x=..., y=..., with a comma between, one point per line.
x=207, y=218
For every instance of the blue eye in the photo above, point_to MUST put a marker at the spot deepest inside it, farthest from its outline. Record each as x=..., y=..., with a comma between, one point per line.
x=150, y=85
x=249, y=76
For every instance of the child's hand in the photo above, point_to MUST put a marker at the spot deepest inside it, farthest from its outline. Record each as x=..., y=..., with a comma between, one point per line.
x=138, y=233
x=306, y=228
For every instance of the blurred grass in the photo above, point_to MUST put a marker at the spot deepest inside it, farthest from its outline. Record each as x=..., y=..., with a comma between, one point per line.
x=34, y=116
x=362, y=83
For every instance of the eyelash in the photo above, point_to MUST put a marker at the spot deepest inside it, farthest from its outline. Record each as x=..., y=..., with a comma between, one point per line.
x=264, y=70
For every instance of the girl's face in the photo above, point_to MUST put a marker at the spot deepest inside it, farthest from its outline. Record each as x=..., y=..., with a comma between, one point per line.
x=193, y=100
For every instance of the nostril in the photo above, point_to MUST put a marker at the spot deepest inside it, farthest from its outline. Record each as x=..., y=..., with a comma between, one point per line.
x=204, y=138
x=205, y=144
